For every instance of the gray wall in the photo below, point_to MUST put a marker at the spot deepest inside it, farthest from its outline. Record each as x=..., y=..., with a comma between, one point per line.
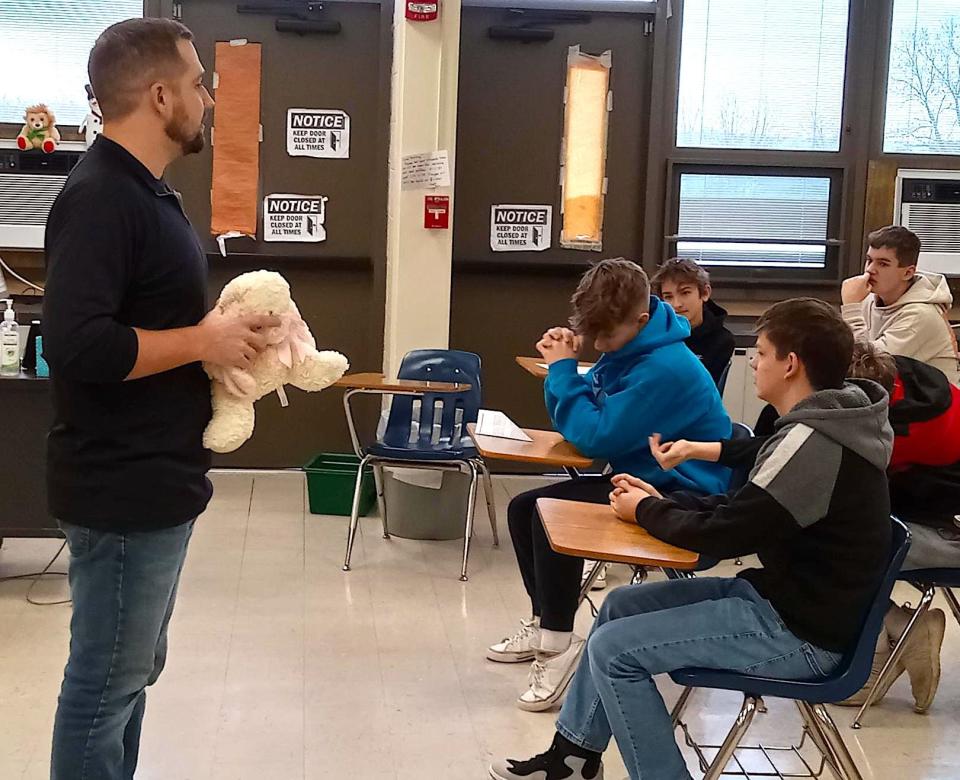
x=338, y=284
x=510, y=125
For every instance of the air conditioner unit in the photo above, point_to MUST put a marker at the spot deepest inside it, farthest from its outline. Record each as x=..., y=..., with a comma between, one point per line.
x=928, y=202
x=29, y=183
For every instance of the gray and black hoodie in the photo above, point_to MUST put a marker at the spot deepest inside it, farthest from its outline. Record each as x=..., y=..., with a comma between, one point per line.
x=816, y=510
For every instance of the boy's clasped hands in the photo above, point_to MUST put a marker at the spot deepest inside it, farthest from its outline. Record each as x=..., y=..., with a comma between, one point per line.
x=627, y=494
x=628, y=491
x=559, y=344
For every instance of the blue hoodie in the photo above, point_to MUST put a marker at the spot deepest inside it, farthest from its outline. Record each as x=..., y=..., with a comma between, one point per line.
x=654, y=384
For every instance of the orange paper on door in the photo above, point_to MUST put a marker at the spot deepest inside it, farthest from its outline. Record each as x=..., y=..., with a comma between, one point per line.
x=236, y=139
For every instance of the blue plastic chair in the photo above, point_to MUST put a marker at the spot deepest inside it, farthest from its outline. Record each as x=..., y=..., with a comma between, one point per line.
x=722, y=381
x=926, y=581
x=809, y=695
x=427, y=431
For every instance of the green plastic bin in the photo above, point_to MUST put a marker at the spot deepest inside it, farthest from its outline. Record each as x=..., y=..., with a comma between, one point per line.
x=331, y=477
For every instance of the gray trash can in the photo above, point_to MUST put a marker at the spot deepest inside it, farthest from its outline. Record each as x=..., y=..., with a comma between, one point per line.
x=415, y=511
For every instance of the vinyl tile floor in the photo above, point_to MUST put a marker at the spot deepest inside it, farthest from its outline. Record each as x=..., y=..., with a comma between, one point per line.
x=283, y=667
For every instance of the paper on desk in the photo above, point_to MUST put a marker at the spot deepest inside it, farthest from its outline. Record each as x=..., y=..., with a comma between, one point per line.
x=582, y=370
x=491, y=423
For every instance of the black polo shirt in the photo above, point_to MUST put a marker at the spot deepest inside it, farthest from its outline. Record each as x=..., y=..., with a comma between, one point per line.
x=121, y=253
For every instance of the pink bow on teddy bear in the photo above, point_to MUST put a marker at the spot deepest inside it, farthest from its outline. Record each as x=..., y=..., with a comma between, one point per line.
x=291, y=342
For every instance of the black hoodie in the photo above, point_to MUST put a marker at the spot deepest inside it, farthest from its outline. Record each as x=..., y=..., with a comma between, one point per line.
x=711, y=341
x=816, y=511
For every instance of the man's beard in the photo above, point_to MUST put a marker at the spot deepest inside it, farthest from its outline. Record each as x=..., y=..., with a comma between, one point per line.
x=176, y=130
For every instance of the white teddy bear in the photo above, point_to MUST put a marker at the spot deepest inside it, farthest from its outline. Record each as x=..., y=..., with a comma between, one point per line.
x=291, y=358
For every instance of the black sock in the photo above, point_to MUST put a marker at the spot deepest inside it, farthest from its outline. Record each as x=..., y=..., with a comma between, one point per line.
x=568, y=748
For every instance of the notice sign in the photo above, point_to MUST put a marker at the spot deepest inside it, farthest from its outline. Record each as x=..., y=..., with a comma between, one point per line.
x=297, y=218
x=318, y=132
x=516, y=228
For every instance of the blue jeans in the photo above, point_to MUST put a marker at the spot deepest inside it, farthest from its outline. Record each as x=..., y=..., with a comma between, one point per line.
x=123, y=586
x=649, y=629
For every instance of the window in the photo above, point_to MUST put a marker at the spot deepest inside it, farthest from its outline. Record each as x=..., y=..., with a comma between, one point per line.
x=923, y=81
x=762, y=74
x=43, y=58
x=754, y=221
x=584, y=149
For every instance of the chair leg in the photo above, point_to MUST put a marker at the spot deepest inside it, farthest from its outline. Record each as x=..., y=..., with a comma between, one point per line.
x=815, y=731
x=586, y=584
x=831, y=735
x=491, y=500
x=678, y=709
x=888, y=667
x=740, y=727
x=381, y=500
x=952, y=602
x=354, y=514
x=468, y=530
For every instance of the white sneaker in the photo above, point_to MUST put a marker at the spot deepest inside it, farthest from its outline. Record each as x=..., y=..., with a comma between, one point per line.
x=550, y=676
x=520, y=647
x=600, y=583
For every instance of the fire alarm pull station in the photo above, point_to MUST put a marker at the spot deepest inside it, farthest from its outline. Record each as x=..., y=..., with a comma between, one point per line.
x=436, y=212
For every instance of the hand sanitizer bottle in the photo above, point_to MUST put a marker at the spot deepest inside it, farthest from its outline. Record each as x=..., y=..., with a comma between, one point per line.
x=9, y=343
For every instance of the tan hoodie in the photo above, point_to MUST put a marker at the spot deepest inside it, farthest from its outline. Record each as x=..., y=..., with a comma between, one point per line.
x=913, y=327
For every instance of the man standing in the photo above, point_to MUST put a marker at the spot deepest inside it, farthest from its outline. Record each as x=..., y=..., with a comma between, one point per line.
x=124, y=333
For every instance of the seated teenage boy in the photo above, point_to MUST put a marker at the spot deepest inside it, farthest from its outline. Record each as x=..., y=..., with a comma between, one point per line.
x=685, y=285
x=924, y=477
x=924, y=469
x=900, y=309
x=646, y=379
x=815, y=510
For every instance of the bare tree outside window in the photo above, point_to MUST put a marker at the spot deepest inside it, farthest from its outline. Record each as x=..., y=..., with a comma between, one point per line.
x=762, y=74
x=923, y=89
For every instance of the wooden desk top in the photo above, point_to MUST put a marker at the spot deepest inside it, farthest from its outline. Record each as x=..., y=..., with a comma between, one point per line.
x=532, y=365
x=377, y=382
x=593, y=531
x=548, y=448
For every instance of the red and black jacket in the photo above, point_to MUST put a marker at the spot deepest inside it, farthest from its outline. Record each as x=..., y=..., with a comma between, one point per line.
x=924, y=469
x=925, y=415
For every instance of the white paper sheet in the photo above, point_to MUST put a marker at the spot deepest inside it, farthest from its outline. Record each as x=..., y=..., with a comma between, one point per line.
x=425, y=171
x=582, y=370
x=493, y=423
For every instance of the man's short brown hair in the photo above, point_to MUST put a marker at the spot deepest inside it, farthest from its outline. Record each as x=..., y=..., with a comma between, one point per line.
x=871, y=362
x=816, y=333
x=608, y=295
x=131, y=55
x=904, y=242
x=680, y=271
